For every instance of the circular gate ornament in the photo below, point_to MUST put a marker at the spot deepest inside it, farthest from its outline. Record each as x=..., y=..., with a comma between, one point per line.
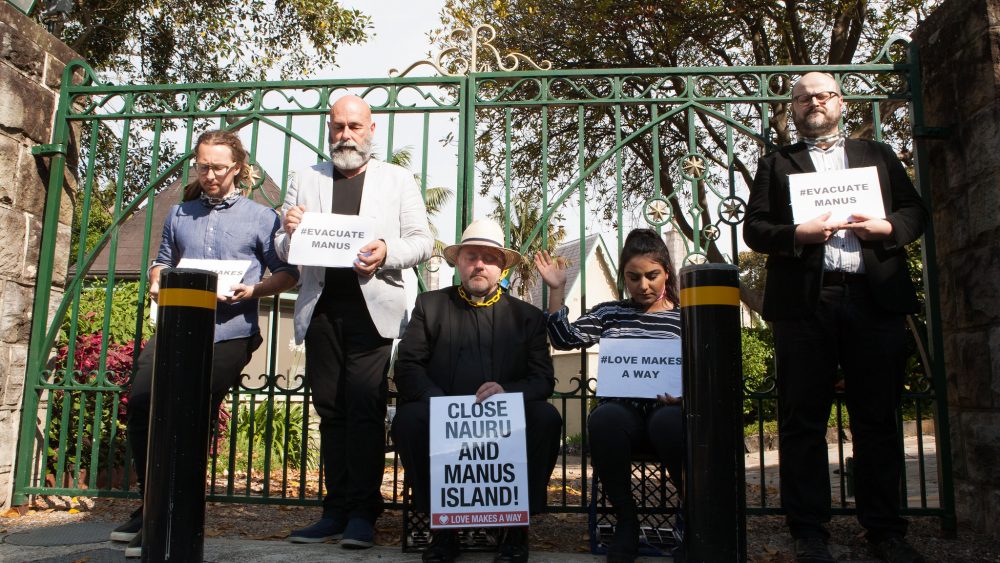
x=731, y=210
x=693, y=167
x=657, y=211
x=695, y=258
x=711, y=232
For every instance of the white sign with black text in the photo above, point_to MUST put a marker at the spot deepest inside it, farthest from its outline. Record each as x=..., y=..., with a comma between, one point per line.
x=841, y=192
x=479, y=462
x=329, y=240
x=230, y=272
x=639, y=367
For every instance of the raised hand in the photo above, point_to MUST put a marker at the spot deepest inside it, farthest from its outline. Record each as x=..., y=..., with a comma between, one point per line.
x=553, y=272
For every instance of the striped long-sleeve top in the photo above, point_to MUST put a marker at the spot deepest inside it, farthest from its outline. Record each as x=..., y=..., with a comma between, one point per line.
x=614, y=319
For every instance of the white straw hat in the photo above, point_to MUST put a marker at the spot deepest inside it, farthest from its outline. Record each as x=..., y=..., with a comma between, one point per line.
x=484, y=232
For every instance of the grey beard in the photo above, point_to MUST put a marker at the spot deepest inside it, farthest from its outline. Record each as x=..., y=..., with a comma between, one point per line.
x=349, y=157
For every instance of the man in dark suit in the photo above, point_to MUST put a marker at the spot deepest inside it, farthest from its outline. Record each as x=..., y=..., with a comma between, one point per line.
x=836, y=294
x=473, y=339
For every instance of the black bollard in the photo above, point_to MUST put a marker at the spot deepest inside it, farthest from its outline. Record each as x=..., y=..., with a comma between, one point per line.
x=714, y=496
x=173, y=519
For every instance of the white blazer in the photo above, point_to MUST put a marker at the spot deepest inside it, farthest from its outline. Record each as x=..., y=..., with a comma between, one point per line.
x=390, y=196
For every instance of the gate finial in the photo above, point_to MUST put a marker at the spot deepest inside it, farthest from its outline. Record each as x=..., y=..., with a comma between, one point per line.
x=463, y=63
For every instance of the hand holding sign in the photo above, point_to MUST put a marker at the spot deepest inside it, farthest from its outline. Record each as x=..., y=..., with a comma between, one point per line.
x=292, y=218
x=370, y=258
x=817, y=230
x=869, y=228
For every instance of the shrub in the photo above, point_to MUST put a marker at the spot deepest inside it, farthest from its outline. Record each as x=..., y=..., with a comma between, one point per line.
x=758, y=372
x=251, y=436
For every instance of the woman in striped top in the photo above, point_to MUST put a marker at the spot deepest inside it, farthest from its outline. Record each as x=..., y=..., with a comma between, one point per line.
x=620, y=426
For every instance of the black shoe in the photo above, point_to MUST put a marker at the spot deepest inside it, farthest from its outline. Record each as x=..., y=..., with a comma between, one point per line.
x=624, y=546
x=442, y=549
x=896, y=550
x=812, y=550
x=513, y=545
x=134, y=548
x=129, y=529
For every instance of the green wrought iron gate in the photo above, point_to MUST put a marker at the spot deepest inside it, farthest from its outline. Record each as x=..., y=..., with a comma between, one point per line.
x=567, y=160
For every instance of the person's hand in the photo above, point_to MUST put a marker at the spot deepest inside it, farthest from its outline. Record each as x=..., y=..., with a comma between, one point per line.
x=668, y=399
x=816, y=230
x=154, y=292
x=370, y=258
x=487, y=390
x=867, y=227
x=241, y=292
x=292, y=219
x=552, y=270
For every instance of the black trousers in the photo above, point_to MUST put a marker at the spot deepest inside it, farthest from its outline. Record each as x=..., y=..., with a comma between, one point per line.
x=229, y=357
x=346, y=365
x=616, y=431
x=849, y=330
x=411, y=435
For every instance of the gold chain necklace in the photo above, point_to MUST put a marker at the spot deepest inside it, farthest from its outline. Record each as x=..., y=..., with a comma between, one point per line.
x=487, y=303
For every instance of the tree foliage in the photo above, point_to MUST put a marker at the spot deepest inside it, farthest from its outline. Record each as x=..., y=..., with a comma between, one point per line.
x=574, y=34
x=173, y=41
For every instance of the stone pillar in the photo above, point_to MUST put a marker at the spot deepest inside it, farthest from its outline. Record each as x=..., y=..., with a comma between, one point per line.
x=31, y=65
x=959, y=46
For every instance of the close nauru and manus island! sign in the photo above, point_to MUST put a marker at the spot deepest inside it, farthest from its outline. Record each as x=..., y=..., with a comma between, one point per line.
x=479, y=462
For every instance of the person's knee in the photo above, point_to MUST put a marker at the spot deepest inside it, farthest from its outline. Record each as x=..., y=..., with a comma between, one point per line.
x=410, y=424
x=608, y=418
x=542, y=417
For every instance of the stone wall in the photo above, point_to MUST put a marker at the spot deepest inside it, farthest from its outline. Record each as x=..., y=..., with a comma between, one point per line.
x=960, y=57
x=31, y=65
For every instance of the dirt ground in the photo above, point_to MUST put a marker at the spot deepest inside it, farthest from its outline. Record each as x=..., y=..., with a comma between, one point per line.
x=768, y=541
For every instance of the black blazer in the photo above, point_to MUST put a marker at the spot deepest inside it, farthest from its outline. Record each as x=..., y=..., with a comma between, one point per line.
x=426, y=358
x=794, y=280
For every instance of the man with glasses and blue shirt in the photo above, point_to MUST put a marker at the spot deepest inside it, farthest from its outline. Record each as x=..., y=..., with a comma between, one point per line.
x=215, y=222
x=836, y=294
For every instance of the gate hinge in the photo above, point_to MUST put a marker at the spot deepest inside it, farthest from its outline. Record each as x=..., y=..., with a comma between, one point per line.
x=48, y=150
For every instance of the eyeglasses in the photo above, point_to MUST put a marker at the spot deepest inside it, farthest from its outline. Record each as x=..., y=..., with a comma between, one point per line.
x=821, y=97
x=219, y=169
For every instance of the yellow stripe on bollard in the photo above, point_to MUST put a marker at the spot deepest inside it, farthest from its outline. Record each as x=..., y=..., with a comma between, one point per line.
x=710, y=295
x=176, y=297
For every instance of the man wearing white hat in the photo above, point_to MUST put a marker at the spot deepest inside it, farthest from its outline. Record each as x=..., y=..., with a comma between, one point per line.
x=473, y=339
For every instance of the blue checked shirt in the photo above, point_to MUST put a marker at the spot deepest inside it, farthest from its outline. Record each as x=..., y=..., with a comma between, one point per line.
x=238, y=229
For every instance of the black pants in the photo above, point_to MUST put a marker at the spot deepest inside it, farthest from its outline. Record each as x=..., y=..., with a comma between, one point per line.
x=411, y=435
x=228, y=360
x=619, y=430
x=346, y=364
x=848, y=330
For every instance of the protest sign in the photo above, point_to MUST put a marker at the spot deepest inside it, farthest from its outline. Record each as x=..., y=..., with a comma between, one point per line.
x=639, y=367
x=479, y=462
x=230, y=272
x=329, y=240
x=841, y=192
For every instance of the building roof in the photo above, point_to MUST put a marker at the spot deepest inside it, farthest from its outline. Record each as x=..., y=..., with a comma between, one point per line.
x=128, y=263
x=571, y=252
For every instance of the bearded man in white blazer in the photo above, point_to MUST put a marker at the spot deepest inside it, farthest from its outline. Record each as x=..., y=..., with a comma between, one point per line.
x=349, y=317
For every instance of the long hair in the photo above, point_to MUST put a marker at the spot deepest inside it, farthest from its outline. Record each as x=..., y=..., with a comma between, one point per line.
x=231, y=140
x=646, y=242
